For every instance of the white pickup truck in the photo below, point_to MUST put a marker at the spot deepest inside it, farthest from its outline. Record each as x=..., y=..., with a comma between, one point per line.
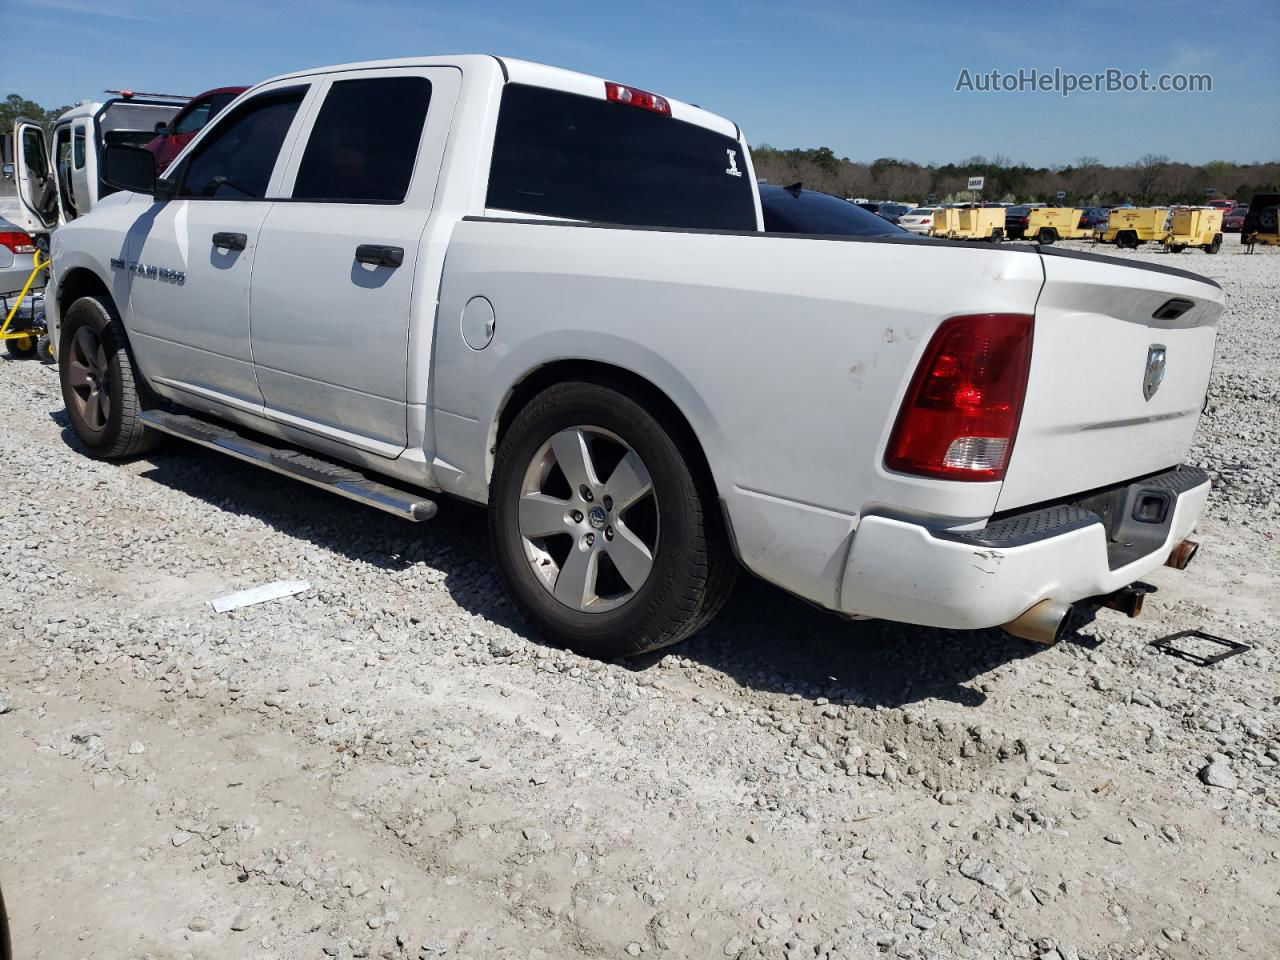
x=560, y=296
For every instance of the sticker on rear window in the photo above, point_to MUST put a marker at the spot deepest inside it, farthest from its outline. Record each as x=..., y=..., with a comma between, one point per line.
x=732, y=169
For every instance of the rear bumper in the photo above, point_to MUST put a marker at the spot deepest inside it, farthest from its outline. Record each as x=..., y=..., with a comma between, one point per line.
x=898, y=570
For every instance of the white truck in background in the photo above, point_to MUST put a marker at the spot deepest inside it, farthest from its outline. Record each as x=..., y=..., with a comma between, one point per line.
x=557, y=296
x=57, y=175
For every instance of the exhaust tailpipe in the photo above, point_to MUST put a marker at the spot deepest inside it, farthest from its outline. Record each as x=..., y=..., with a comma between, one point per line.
x=1128, y=600
x=1045, y=623
x=1182, y=555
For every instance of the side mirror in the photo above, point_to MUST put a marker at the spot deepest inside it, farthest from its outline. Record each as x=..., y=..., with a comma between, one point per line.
x=129, y=168
x=8, y=171
x=162, y=129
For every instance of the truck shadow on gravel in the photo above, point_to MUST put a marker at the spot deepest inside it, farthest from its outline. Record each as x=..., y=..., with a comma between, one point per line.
x=764, y=640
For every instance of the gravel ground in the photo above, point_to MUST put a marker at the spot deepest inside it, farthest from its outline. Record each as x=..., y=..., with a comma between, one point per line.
x=388, y=766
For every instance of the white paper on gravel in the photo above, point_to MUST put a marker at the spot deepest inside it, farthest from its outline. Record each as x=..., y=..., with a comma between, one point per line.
x=268, y=591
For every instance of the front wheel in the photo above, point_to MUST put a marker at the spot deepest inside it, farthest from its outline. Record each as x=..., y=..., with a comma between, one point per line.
x=608, y=540
x=1214, y=245
x=102, y=394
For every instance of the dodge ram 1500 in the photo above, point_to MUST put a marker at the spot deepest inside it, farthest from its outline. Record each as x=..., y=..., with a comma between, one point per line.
x=554, y=294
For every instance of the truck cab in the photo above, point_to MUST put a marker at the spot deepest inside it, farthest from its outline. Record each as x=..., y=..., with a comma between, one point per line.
x=58, y=174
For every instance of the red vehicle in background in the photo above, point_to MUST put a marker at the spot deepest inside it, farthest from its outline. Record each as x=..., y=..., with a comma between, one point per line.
x=1233, y=221
x=1226, y=206
x=191, y=119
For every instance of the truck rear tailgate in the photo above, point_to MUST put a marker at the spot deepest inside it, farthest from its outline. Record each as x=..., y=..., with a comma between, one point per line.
x=1104, y=328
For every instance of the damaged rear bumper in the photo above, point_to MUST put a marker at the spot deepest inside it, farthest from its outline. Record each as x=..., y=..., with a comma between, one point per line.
x=971, y=579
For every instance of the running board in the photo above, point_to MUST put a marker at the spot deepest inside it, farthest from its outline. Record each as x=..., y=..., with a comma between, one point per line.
x=291, y=463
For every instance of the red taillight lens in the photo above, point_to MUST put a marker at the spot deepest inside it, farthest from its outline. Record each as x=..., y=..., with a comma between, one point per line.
x=633, y=97
x=17, y=241
x=926, y=220
x=961, y=412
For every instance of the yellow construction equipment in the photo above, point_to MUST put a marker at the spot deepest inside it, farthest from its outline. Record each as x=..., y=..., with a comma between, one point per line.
x=1195, y=227
x=1263, y=221
x=970, y=223
x=1051, y=224
x=946, y=220
x=1133, y=226
x=22, y=336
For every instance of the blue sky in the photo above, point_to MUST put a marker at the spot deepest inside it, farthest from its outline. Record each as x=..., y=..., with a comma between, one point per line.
x=867, y=79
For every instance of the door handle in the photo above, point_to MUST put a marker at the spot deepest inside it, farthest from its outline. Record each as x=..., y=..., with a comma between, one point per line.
x=230, y=241
x=380, y=256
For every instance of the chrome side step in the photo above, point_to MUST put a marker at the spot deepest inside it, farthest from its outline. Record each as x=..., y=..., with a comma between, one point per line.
x=291, y=463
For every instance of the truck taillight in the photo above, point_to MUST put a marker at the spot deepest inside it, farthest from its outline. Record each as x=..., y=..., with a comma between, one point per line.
x=17, y=241
x=960, y=415
x=633, y=97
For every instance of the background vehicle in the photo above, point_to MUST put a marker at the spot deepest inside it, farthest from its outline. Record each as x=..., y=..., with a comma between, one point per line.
x=17, y=252
x=836, y=413
x=796, y=210
x=171, y=137
x=1092, y=218
x=1260, y=222
x=1015, y=221
x=919, y=220
x=892, y=211
x=1234, y=220
x=1224, y=205
x=59, y=176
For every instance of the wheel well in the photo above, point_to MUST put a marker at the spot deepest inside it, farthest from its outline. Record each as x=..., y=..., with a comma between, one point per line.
x=80, y=282
x=615, y=378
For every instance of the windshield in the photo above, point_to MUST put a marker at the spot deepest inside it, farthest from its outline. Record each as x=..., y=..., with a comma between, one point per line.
x=807, y=211
x=921, y=212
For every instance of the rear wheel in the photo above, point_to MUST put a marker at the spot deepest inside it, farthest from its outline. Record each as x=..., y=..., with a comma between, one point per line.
x=44, y=349
x=103, y=396
x=20, y=348
x=1047, y=235
x=608, y=541
x=996, y=235
x=1214, y=245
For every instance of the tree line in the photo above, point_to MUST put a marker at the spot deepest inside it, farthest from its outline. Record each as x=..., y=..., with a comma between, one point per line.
x=1154, y=179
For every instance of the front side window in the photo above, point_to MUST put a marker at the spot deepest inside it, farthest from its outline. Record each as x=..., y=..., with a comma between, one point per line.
x=565, y=155
x=77, y=150
x=365, y=140
x=235, y=160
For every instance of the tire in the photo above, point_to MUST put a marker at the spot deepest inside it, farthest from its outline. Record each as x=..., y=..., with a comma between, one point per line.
x=603, y=613
x=1214, y=245
x=102, y=394
x=1177, y=247
x=21, y=348
x=996, y=235
x=44, y=350
x=1047, y=236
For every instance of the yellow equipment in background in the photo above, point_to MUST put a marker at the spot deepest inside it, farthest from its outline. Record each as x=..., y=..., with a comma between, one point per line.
x=946, y=220
x=1051, y=224
x=1136, y=225
x=1268, y=228
x=22, y=336
x=970, y=223
x=1195, y=227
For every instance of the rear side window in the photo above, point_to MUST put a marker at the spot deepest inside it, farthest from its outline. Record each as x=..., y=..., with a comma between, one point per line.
x=563, y=155
x=234, y=162
x=365, y=141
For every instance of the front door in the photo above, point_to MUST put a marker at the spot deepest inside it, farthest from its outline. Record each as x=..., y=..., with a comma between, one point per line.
x=191, y=258
x=33, y=175
x=331, y=352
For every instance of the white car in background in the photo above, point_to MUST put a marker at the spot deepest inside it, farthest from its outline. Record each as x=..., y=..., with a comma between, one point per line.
x=919, y=220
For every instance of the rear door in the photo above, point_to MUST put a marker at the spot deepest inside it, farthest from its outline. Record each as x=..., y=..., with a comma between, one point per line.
x=191, y=258
x=33, y=173
x=333, y=281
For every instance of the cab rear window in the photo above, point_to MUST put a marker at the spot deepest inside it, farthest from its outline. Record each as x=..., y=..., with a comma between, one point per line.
x=564, y=155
